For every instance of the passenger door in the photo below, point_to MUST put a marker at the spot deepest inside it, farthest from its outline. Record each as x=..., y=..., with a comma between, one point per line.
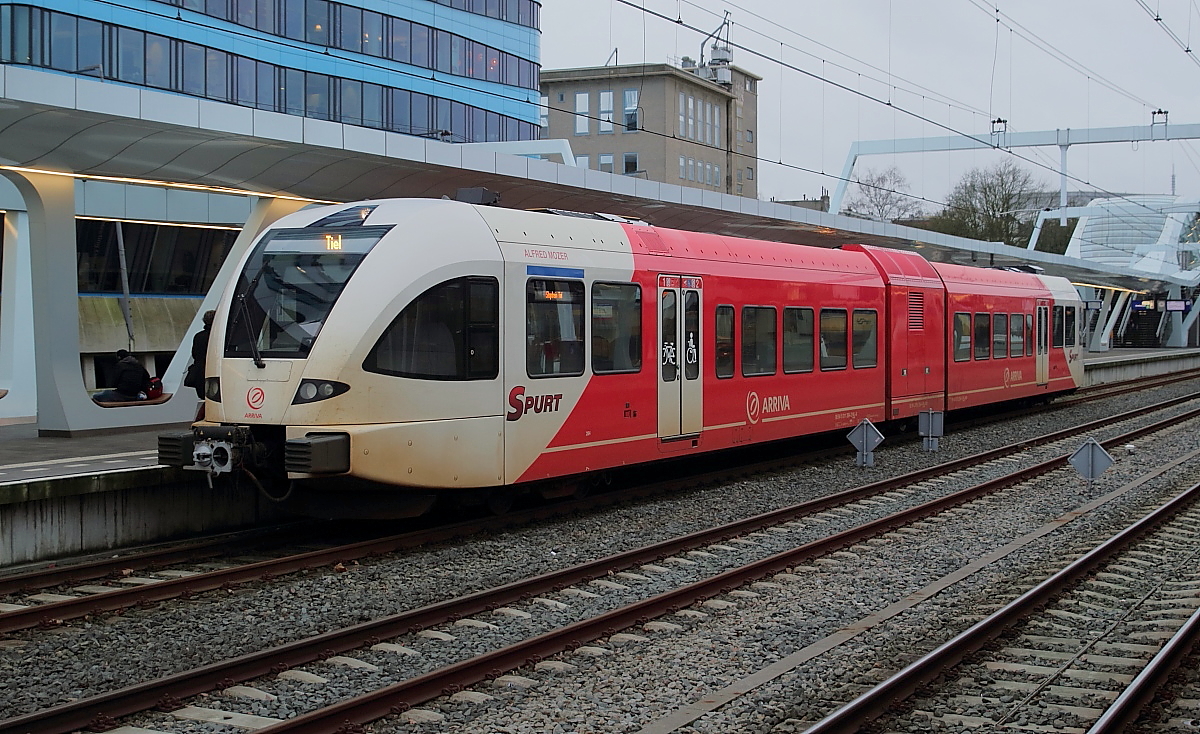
x=1042, y=353
x=680, y=392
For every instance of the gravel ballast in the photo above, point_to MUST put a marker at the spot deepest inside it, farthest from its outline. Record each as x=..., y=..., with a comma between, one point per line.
x=706, y=654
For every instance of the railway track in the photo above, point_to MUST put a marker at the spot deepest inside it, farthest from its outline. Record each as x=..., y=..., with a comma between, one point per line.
x=50, y=595
x=1083, y=651
x=173, y=571
x=756, y=536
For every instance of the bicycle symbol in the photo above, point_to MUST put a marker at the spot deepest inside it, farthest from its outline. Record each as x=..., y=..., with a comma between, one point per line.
x=668, y=354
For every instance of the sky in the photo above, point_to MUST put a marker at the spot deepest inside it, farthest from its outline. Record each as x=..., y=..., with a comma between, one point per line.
x=945, y=66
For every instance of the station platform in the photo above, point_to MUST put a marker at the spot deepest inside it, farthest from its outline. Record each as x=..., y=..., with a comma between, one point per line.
x=25, y=455
x=112, y=486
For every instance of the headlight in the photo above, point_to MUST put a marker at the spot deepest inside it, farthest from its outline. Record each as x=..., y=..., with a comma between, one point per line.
x=310, y=391
x=212, y=389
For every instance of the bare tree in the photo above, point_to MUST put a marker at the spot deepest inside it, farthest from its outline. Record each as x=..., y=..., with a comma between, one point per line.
x=995, y=204
x=882, y=195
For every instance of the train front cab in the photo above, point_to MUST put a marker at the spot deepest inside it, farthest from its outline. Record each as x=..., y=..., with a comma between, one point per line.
x=402, y=408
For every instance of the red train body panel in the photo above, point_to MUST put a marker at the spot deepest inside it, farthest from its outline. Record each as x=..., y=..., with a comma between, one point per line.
x=615, y=420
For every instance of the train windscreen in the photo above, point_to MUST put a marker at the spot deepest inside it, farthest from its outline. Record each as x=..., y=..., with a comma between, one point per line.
x=289, y=286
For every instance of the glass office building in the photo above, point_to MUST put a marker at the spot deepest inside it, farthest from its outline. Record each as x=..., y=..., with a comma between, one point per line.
x=454, y=70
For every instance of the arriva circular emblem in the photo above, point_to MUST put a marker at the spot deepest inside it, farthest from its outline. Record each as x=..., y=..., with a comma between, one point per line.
x=255, y=397
x=752, y=406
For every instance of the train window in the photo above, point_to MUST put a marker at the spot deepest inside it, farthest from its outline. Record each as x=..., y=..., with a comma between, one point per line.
x=962, y=337
x=798, y=327
x=554, y=327
x=1058, y=326
x=999, y=335
x=1029, y=335
x=289, y=285
x=616, y=327
x=449, y=332
x=670, y=336
x=691, y=334
x=723, y=335
x=1069, y=326
x=758, y=340
x=483, y=328
x=864, y=335
x=833, y=339
x=1016, y=335
x=983, y=336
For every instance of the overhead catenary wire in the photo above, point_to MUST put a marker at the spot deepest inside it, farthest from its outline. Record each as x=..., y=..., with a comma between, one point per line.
x=916, y=90
x=909, y=86
x=1048, y=161
x=1053, y=51
x=872, y=98
x=1187, y=49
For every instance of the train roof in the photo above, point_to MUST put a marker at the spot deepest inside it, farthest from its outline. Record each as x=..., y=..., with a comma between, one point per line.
x=611, y=234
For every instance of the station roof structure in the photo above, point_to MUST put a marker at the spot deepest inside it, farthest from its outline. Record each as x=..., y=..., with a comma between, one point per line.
x=55, y=122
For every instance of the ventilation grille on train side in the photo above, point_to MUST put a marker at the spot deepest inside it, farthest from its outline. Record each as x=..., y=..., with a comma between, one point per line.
x=916, y=311
x=175, y=449
x=327, y=453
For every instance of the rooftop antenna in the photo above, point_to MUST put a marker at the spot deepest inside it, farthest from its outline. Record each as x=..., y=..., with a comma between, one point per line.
x=613, y=58
x=717, y=34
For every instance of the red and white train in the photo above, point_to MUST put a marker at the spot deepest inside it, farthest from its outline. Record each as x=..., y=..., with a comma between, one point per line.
x=370, y=357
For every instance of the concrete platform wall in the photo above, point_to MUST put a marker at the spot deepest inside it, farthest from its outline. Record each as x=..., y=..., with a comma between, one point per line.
x=1104, y=369
x=74, y=523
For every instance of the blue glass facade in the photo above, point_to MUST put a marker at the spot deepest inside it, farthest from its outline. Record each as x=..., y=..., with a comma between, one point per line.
x=461, y=70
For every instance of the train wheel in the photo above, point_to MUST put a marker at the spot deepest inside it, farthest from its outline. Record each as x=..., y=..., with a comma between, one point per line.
x=500, y=500
x=598, y=482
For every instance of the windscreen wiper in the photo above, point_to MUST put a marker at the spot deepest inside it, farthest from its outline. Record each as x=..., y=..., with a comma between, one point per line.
x=244, y=312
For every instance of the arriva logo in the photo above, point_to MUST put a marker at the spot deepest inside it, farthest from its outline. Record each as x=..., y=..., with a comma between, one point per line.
x=1012, y=377
x=255, y=397
x=756, y=408
x=522, y=403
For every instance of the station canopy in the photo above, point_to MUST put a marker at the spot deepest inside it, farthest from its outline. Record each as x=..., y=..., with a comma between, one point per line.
x=86, y=127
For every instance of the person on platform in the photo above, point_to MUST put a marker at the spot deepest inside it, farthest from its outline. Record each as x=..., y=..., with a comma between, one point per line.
x=196, y=370
x=132, y=381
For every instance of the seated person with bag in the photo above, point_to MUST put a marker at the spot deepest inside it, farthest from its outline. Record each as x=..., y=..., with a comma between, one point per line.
x=132, y=381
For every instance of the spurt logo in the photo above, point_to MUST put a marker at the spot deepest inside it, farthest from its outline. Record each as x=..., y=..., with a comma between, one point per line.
x=522, y=403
